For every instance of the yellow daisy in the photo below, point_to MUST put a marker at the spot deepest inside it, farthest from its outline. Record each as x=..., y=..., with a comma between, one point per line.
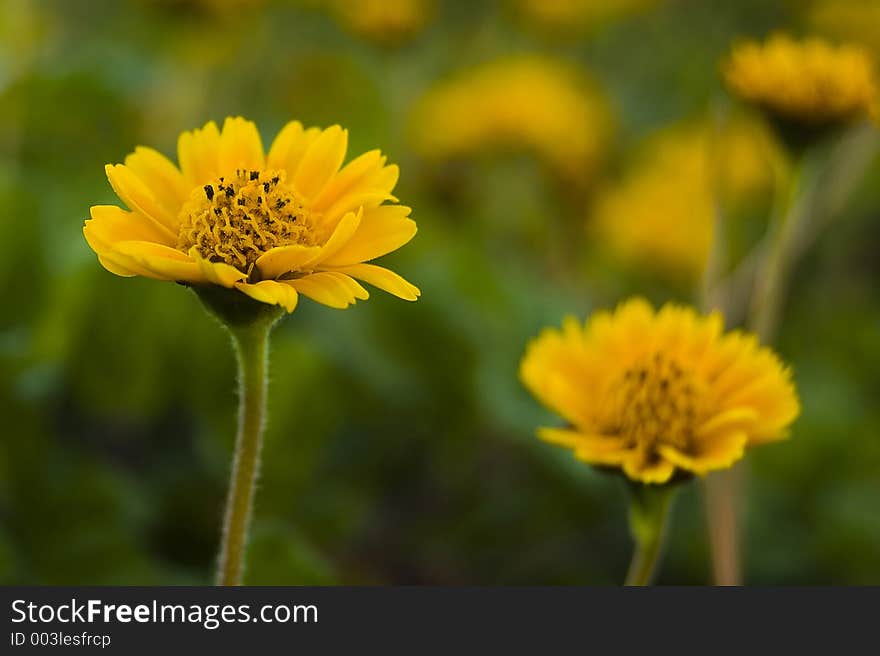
x=808, y=81
x=656, y=393
x=659, y=214
x=521, y=103
x=272, y=226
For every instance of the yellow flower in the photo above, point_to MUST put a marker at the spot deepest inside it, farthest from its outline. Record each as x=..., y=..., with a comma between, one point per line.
x=660, y=214
x=657, y=393
x=808, y=81
x=389, y=22
x=271, y=226
x=524, y=102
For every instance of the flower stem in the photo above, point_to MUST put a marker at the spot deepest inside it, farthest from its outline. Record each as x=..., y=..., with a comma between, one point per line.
x=251, y=343
x=648, y=514
x=804, y=206
x=723, y=494
x=772, y=281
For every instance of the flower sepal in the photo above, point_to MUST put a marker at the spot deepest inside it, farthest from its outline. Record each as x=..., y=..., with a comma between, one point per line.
x=234, y=309
x=649, y=506
x=799, y=137
x=647, y=501
x=679, y=477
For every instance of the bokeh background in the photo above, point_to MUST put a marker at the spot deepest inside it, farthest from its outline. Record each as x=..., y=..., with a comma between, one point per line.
x=552, y=154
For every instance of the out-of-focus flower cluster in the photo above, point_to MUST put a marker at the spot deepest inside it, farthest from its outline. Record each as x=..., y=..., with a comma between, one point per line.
x=660, y=213
x=520, y=103
x=809, y=81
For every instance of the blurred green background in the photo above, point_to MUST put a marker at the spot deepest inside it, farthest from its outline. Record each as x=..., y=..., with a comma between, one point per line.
x=400, y=446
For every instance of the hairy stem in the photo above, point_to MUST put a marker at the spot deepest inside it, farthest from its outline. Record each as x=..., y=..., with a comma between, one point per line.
x=251, y=347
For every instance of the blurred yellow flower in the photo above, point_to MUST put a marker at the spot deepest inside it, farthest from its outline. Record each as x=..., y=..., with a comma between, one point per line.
x=660, y=214
x=271, y=226
x=658, y=392
x=807, y=81
x=524, y=102
x=389, y=22
x=573, y=15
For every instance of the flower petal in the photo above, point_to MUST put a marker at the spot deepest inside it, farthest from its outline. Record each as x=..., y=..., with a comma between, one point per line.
x=218, y=273
x=350, y=177
x=647, y=467
x=285, y=259
x=595, y=449
x=330, y=288
x=735, y=418
x=155, y=261
x=109, y=263
x=561, y=436
x=383, y=279
x=240, y=146
x=382, y=230
x=160, y=176
x=290, y=145
x=110, y=224
x=137, y=196
x=368, y=191
x=343, y=232
x=557, y=368
x=270, y=292
x=321, y=162
x=720, y=452
x=198, y=152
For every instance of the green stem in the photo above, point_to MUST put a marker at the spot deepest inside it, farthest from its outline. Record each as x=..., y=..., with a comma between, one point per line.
x=773, y=278
x=797, y=219
x=716, y=262
x=723, y=494
x=724, y=490
x=251, y=346
x=648, y=515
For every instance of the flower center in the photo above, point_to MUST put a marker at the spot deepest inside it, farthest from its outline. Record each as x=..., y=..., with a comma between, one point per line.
x=235, y=220
x=655, y=401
